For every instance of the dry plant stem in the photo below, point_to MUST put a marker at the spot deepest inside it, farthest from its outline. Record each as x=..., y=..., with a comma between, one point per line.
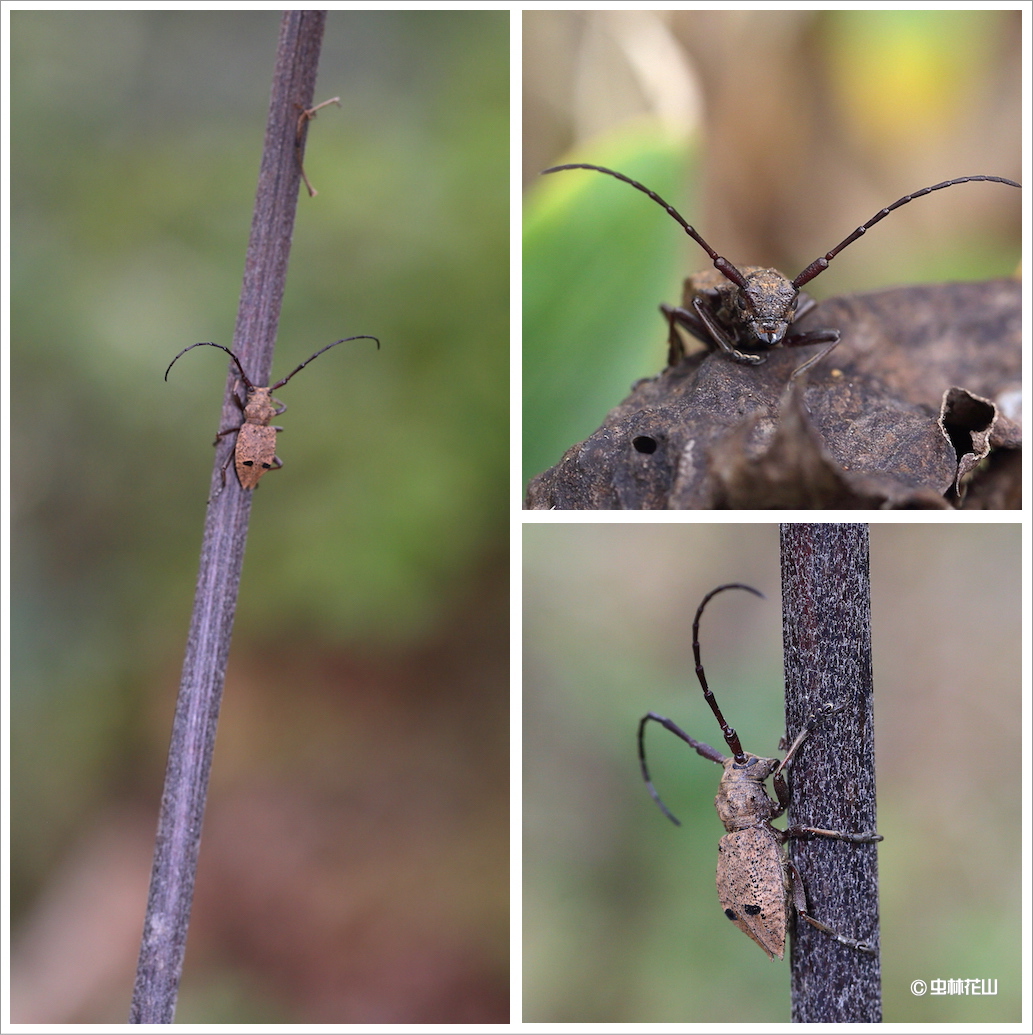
x=827, y=641
x=225, y=534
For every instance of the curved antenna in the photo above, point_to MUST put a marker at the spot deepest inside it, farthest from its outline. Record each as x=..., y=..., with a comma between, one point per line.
x=652, y=716
x=731, y=737
x=721, y=263
x=301, y=366
x=703, y=749
x=244, y=376
x=821, y=264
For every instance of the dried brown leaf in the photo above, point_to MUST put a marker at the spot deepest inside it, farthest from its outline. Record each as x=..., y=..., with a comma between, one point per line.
x=869, y=427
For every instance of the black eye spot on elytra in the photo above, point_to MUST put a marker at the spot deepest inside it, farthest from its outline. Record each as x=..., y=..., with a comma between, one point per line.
x=730, y=913
x=752, y=910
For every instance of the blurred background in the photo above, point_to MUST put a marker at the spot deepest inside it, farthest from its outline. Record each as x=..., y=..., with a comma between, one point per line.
x=775, y=133
x=354, y=865
x=621, y=918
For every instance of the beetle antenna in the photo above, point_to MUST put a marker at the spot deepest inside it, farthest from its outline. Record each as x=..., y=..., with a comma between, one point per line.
x=244, y=376
x=301, y=366
x=821, y=264
x=645, y=768
x=731, y=737
x=721, y=263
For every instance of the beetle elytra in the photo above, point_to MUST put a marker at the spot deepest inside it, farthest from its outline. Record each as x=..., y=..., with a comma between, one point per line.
x=757, y=885
x=255, y=450
x=746, y=311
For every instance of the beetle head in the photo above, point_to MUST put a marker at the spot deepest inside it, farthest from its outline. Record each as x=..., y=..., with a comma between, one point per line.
x=765, y=303
x=755, y=768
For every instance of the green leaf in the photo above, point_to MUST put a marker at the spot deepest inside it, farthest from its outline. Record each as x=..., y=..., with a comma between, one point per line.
x=599, y=258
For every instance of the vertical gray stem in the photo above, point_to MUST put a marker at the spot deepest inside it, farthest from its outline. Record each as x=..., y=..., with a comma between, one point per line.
x=222, y=552
x=827, y=641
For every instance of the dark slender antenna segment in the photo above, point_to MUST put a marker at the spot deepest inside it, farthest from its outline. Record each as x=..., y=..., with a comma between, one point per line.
x=720, y=262
x=821, y=264
x=731, y=737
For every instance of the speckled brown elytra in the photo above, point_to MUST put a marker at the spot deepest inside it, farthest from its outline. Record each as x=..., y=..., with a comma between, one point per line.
x=752, y=308
x=255, y=450
x=757, y=885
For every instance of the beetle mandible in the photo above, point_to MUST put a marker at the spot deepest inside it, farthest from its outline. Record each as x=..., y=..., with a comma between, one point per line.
x=254, y=452
x=757, y=884
x=753, y=308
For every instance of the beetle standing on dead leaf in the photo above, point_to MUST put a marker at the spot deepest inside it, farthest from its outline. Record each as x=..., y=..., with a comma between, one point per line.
x=757, y=884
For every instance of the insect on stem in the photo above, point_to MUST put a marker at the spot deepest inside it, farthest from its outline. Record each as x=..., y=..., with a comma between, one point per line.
x=255, y=450
x=757, y=885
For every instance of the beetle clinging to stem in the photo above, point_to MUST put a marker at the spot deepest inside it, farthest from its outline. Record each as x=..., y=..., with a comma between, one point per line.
x=753, y=308
x=255, y=450
x=757, y=884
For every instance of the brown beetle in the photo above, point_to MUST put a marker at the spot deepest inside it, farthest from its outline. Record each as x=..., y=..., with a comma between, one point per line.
x=255, y=450
x=757, y=885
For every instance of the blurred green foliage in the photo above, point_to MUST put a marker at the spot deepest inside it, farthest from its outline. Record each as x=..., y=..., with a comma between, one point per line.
x=596, y=254
x=903, y=78
x=136, y=138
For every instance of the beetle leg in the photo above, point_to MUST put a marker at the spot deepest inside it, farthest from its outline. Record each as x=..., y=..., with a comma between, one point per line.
x=243, y=409
x=816, y=337
x=719, y=336
x=804, y=304
x=811, y=338
x=778, y=780
x=800, y=902
x=228, y=431
x=229, y=457
x=675, y=346
x=817, y=718
x=237, y=399
x=806, y=833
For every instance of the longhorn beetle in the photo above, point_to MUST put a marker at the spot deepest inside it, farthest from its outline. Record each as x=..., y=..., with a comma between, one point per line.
x=757, y=885
x=255, y=449
x=753, y=308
